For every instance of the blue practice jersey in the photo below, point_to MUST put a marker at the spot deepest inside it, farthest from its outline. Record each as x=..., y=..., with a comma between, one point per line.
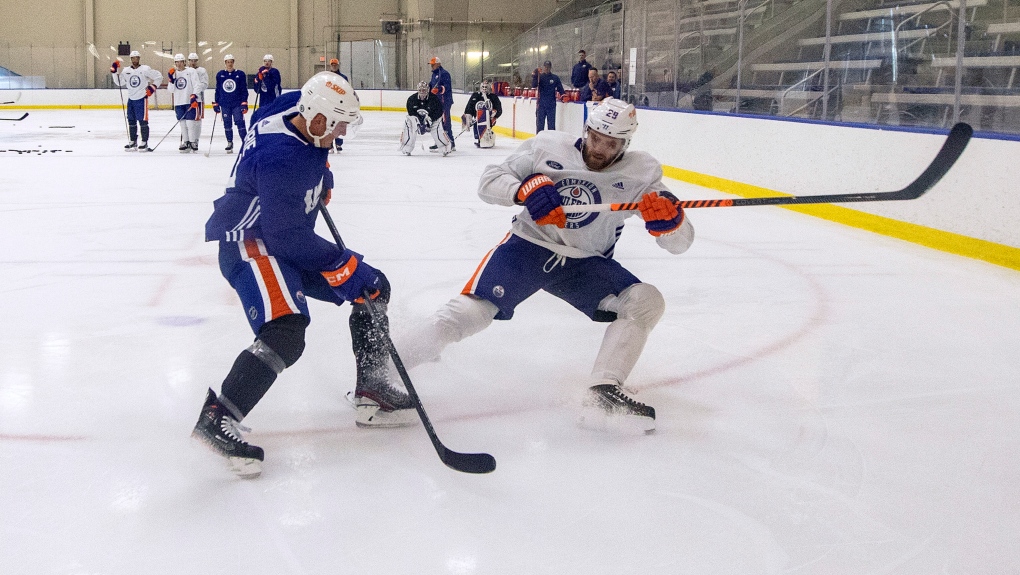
x=272, y=195
x=231, y=88
x=443, y=86
x=268, y=88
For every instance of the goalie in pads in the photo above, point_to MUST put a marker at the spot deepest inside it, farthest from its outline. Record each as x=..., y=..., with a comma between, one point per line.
x=481, y=111
x=424, y=116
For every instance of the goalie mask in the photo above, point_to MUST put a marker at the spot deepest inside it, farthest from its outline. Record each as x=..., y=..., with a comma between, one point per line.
x=330, y=95
x=423, y=90
x=485, y=88
x=613, y=118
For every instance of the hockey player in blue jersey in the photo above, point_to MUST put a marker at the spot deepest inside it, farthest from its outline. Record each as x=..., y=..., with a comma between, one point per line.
x=231, y=100
x=270, y=254
x=267, y=82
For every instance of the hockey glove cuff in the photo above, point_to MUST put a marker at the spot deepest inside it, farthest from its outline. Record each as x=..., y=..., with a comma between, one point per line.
x=194, y=101
x=662, y=216
x=538, y=194
x=150, y=90
x=215, y=108
x=244, y=107
x=352, y=276
x=114, y=67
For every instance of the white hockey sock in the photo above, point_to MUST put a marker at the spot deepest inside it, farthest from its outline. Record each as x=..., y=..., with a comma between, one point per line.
x=194, y=130
x=184, y=130
x=461, y=317
x=638, y=309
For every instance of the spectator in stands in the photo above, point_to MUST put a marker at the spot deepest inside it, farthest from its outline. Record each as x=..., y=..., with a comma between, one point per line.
x=550, y=89
x=596, y=89
x=700, y=90
x=613, y=85
x=579, y=75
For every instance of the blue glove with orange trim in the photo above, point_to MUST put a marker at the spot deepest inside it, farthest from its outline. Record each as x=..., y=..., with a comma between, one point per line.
x=170, y=74
x=244, y=107
x=194, y=101
x=115, y=66
x=215, y=108
x=150, y=90
x=352, y=276
x=538, y=194
x=662, y=216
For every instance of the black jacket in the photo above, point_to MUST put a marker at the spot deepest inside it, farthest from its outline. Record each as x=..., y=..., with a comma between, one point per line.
x=430, y=104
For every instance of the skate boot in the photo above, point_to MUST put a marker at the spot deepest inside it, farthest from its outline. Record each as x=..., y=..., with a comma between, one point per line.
x=381, y=405
x=185, y=147
x=144, y=147
x=194, y=147
x=230, y=147
x=131, y=147
x=221, y=431
x=434, y=148
x=606, y=405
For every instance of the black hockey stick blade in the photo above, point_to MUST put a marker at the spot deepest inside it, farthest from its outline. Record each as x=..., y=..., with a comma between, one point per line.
x=951, y=151
x=23, y=116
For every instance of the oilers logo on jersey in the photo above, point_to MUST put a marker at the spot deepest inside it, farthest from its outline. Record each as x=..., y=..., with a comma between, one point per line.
x=576, y=192
x=135, y=81
x=229, y=86
x=181, y=83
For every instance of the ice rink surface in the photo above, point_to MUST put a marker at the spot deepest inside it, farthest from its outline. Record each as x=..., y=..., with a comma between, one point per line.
x=829, y=401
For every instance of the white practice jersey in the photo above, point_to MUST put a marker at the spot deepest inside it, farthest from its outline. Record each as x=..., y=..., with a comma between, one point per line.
x=201, y=82
x=137, y=79
x=184, y=84
x=556, y=155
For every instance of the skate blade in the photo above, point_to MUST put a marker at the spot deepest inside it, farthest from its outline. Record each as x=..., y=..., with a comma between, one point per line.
x=244, y=467
x=369, y=415
x=597, y=419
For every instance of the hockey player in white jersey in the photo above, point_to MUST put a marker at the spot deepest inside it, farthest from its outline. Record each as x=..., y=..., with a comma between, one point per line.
x=570, y=257
x=201, y=84
x=141, y=82
x=181, y=83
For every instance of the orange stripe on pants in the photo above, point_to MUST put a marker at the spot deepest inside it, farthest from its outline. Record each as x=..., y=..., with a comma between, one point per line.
x=469, y=288
x=278, y=305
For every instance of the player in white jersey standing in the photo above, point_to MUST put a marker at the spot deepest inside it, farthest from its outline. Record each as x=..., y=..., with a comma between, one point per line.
x=141, y=82
x=181, y=82
x=201, y=84
x=570, y=257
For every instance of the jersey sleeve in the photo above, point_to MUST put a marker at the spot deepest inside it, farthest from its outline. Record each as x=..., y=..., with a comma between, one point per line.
x=284, y=189
x=499, y=183
x=497, y=106
x=154, y=76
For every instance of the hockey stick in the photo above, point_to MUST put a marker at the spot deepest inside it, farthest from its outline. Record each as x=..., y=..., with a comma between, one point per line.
x=465, y=462
x=153, y=149
x=211, y=132
x=123, y=108
x=23, y=116
x=944, y=160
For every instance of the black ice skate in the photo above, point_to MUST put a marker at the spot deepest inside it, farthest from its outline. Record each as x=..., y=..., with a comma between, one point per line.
x=230, y=147
x=606, y=405
x=144, y=147
x=131, y=147
x=218, y=428
x=185, y=147
x=434, y=148
x=381, y=405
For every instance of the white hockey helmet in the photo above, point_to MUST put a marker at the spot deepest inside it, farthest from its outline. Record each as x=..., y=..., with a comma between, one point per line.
x=614, y=118
x=135, y=54
x=228, y=57
x=178, y=57
x=268, y=57
x=330, y=95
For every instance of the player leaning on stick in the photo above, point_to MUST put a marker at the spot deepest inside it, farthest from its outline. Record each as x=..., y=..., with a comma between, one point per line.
x=270, y=254
x=182, y=83
x=141, y=82
x=570, y=257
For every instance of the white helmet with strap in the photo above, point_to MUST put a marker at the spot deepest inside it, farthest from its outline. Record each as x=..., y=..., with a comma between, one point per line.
x=615, y=118
x=328, y=94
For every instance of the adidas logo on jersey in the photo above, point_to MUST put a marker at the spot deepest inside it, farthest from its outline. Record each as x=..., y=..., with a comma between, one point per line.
x=618, y=185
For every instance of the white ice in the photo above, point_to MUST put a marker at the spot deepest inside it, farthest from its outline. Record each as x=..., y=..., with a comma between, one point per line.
x=830, y=401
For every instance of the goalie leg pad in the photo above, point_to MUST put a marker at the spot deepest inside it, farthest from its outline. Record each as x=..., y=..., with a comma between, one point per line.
x=408, y=135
